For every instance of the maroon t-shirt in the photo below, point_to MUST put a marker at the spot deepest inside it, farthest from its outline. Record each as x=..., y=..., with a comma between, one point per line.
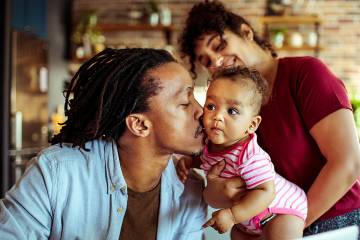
x=305, y=91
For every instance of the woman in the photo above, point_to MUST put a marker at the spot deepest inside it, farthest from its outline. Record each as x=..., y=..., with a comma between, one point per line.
x=308, y=127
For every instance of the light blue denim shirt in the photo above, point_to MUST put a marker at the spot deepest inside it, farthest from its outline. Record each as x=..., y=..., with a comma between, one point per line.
x=69, y=193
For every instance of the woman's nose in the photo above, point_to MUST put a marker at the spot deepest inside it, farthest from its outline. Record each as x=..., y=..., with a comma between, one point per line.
x=217, y=61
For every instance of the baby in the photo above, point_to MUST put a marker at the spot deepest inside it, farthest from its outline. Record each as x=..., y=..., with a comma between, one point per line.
x=231, y=117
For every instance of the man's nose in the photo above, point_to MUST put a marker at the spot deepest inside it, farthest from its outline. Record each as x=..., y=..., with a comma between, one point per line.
x=198, y=111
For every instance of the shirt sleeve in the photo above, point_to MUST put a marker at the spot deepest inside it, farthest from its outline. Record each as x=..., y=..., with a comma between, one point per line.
x=257, y=170
x=318, y=92
x=25, y=211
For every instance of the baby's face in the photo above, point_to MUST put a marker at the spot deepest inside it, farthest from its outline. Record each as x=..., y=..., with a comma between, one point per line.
x=228, y=112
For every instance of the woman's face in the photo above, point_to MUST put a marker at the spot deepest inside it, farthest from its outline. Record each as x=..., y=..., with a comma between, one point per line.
x=212, y=52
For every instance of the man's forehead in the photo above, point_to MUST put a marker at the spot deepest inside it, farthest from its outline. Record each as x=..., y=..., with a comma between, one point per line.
x=173, y=79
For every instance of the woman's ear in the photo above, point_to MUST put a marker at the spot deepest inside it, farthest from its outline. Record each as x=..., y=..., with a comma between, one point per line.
x=247, y=32
x=255, y=122
x=138, y=124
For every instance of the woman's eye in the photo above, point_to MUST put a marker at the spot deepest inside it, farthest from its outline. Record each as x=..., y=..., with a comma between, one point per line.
x=233, y=111
x=210, y=107
x=207, y=64
x=221, y=45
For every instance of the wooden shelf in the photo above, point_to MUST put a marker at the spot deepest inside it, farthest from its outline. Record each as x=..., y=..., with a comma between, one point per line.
x=292, y=22
x=296, y=20
x=302, y=48
x=113, y=27
x=133, y=27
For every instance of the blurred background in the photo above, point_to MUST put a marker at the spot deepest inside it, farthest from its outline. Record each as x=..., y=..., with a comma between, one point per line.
x=45, y=41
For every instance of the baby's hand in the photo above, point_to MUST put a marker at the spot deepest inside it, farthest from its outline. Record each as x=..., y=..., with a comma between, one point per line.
x=182, y=168
x=222, y=220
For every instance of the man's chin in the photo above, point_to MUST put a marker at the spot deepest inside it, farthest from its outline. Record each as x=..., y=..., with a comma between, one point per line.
x=192, y=153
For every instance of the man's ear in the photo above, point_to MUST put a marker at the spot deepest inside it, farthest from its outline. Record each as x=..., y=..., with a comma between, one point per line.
x=255, y=122
x=246, y=32
x=138, y=124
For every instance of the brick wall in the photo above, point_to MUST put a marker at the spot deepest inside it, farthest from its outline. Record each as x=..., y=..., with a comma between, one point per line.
x=339, y=31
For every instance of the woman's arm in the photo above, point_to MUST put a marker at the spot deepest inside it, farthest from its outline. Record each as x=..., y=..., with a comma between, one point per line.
x=336, y=136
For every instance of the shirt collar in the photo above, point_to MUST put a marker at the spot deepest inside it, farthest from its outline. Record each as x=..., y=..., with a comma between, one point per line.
x=116, y=180
x=170, y=179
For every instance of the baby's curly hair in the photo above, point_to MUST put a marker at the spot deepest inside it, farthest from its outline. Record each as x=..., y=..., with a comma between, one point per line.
x=245, y=75
x=212, y=17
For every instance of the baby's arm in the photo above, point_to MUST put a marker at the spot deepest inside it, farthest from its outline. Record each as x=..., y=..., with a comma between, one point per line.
x=252, y=203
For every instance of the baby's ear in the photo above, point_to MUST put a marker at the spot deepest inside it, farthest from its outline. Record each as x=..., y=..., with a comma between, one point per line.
x=255, y=122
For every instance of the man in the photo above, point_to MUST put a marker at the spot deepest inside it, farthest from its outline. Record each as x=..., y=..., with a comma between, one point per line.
x=109, y=173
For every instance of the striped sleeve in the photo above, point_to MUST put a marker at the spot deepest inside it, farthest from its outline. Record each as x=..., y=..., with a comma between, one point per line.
x=257, y=170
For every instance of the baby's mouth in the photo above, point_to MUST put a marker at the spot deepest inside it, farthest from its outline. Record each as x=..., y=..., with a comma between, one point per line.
x=216, y=130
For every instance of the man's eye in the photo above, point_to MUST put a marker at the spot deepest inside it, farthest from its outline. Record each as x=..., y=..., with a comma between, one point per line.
x=185, y=105
x=233, y=111
x=210, y=107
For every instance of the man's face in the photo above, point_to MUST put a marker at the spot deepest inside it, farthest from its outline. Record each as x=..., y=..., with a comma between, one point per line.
x=174, y=112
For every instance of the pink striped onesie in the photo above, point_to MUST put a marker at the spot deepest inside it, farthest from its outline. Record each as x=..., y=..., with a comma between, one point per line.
x=250, y=162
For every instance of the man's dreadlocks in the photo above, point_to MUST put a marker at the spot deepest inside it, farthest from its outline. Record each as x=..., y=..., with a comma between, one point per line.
x=105, y=90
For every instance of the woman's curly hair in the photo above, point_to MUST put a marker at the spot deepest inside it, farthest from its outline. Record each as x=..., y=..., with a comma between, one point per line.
x=212, y=17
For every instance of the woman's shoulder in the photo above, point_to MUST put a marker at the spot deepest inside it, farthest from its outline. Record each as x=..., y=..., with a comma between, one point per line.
x=302, y=62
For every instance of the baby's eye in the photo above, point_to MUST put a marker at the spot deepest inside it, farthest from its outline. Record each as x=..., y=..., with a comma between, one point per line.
x=233, y=111
x=210, y=107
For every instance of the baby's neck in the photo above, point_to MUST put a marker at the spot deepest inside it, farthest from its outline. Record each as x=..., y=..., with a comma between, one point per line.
x=223, y=147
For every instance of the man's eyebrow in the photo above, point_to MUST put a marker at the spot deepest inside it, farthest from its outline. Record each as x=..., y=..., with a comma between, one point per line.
x=187, y=90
